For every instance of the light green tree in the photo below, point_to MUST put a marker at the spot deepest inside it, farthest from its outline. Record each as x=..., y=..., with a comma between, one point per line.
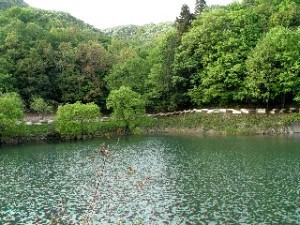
x=77, y=119
x=210, y=63
x=127, y=106
x=273, y=66
x=131, y=73
x=11, y=114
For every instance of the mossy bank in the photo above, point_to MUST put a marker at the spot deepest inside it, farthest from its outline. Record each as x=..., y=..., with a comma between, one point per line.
x=196, y=124
x=224, y=124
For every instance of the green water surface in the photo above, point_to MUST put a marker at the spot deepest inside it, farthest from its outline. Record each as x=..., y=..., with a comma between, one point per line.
x=153, y=180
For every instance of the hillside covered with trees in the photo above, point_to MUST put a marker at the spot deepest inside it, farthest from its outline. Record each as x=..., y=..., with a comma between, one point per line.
x=243, y=54
x=6, y=4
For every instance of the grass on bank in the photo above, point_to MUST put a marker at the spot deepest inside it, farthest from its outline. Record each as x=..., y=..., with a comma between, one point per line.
x=197, y=123
x=224, y=124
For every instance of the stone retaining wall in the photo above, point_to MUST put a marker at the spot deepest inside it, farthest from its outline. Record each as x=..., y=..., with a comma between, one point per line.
x=294, y=128
x=230, y=111
x=38, y=120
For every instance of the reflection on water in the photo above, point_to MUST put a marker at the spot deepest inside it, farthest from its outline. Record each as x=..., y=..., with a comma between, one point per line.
x=153, y=180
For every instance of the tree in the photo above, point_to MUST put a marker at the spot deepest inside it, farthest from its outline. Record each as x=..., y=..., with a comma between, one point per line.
x=248, y=2
x=185, y=19
x=273, y=67
x=77, y=119
x=287, y=15
x=127, y=106
x=6, y=83
x=11, y=114
x=35, y=73
x=81, y=72
x=31, y=77
x=199, y=7
x=160, y=88
x=132, y=73
x=210, y=63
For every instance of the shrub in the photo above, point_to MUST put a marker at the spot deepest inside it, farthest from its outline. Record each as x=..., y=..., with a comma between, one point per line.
x=77, y=119
x=11, y=114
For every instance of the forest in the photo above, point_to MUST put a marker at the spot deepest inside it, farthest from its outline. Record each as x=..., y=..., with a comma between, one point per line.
x=243, y=54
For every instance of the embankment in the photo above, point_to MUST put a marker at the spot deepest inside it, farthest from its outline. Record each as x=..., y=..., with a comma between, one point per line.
x=185, y=122
x=226, y=123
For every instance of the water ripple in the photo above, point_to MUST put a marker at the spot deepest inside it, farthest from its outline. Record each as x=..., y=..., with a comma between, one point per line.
x=153, y=180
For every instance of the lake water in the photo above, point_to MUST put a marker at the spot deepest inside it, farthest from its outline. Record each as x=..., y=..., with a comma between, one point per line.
x=153, y=180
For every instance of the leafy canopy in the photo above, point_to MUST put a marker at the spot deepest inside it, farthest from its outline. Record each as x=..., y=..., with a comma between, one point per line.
x=126, y=104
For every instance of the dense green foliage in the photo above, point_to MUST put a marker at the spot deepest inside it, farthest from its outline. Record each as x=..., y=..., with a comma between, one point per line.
x=52, y=55
x=242, y=54
x=231, y=52
x=274, y=65
x=127, y=106
x=6, y=4
x=40, y=106
x=77, y=119
x=142, y=33
x=11, y=114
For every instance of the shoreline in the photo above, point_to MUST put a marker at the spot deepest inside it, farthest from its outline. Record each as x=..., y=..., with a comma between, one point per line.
x=182, y=124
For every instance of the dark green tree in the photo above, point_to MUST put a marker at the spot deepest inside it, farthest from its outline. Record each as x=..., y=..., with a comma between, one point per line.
x=184, y=21
x=248, y=2
x=6, y=4
x=199, y=7
x=81, y=72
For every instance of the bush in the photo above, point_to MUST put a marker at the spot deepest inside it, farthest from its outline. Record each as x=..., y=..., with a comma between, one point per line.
x=11, y=114
x=77, y=119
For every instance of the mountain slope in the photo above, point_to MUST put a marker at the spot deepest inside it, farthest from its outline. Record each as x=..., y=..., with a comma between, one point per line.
x=144, y=32
x=6, y=4
x=52, y=55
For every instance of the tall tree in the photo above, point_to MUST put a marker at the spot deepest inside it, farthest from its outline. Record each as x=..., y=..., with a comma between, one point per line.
x=273, y=67
x=200, y=6
x=210, y=63
x=127, y=106
x=160, y=88
x=248, y=2
x=184, y=21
